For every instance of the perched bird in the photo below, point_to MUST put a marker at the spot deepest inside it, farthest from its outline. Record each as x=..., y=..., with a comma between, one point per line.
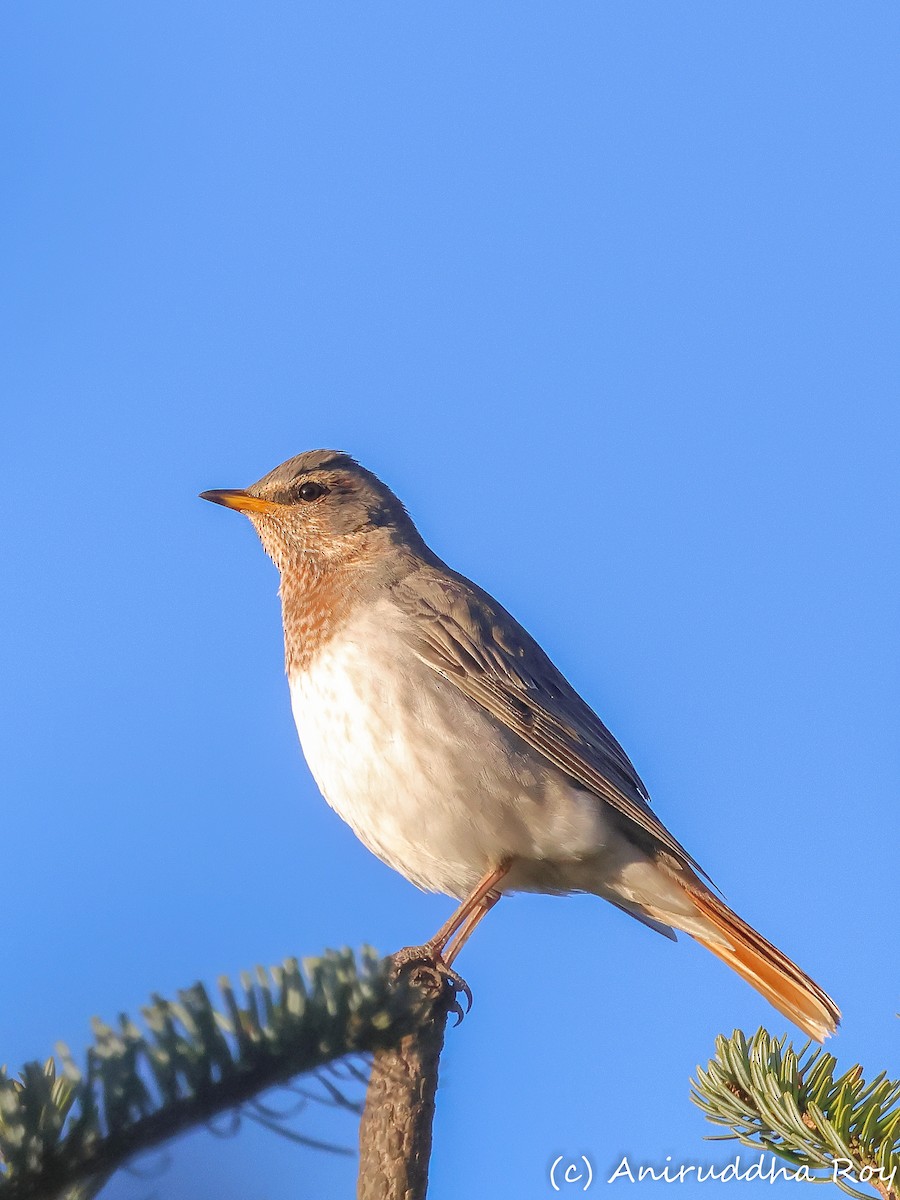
x=457, y=752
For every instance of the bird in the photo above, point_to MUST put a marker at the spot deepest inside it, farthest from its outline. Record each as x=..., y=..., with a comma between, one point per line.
x=445, y=737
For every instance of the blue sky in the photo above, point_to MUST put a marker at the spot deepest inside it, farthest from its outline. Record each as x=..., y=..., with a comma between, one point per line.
x=608, y=293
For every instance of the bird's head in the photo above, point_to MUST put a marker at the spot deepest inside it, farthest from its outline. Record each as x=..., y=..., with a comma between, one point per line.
x=322, y=506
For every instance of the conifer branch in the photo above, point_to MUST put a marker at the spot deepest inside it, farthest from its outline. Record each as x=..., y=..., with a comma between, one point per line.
x=789, y=1103
x=64, y=1132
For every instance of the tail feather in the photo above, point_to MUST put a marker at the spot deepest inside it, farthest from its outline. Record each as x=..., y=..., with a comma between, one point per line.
x=764, y=966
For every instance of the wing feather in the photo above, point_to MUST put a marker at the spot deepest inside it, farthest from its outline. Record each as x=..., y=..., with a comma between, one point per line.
x=469, y=639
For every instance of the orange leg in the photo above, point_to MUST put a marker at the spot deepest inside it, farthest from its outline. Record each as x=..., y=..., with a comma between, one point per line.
x=468, y=926
x=479, y=901
x=455, y=932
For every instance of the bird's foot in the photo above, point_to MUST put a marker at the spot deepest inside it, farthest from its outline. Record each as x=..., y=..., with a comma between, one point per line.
x=427, y=971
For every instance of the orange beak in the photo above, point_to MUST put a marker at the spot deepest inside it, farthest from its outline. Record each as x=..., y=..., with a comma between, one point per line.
x=241, y=500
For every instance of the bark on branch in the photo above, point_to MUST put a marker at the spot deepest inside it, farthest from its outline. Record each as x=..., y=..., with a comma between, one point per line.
x=395, y=1130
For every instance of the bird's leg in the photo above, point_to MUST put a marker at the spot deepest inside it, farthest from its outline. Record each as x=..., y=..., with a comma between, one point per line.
x=457, y=930
x=467, y=928
x=472, y=903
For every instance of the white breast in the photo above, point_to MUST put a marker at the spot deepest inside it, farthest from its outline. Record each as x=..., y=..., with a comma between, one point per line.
x=427, y=780
x=343, y=716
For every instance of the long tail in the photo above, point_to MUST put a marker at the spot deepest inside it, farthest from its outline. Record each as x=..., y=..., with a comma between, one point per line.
x=763, y=966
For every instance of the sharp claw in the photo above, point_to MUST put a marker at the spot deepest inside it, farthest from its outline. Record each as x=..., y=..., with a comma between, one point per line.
x=429, y=958
x=463, y=987
x=460, y=987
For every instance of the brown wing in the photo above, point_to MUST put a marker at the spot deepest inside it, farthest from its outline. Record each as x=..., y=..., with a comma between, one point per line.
x=472, y=641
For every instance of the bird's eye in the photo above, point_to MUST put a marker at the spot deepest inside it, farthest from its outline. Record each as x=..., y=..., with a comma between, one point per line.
x=311, y=491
